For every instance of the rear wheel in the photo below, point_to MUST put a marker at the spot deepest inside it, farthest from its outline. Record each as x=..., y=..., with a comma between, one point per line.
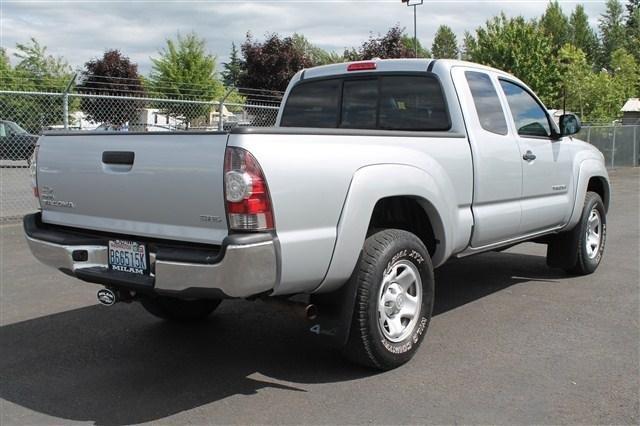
x=394, y=301
x=174, y=309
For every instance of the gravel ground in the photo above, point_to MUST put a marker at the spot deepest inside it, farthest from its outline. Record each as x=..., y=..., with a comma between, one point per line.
x=511, y=342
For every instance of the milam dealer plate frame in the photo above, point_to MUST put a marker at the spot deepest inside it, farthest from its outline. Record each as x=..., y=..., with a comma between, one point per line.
x=128, y=256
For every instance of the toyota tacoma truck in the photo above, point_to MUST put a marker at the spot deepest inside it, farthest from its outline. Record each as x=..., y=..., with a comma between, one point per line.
x=375, y=173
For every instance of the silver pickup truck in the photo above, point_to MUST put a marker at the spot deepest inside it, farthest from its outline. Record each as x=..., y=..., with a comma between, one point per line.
x=376, y=173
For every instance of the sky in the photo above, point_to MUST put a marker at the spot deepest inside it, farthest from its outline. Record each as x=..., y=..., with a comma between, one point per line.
x=80, y=30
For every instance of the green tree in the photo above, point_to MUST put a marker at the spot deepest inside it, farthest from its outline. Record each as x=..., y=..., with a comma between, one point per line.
x=521, y=48
x=445, y=44
x=185, y=70
x=597, y=96
x=576, y=73
x=612, y=32
x=408, y=43
x=36, y=70
x=604, y=100
x=45, y=72
x=582, y=35
x=626, y=73
x=5, y=64
x=556, y=25
x=232, y=69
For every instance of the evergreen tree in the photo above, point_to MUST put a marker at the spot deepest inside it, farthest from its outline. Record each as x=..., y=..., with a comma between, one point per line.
x=423, y=52
x=632, y=17
x=468, y=45
x=556, y=25
x=632, y=25
x=582, y=35
x=445, y=44
x=612, y=32
x=232, y=69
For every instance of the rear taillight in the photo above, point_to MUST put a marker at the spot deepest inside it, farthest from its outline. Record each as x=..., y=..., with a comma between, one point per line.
x=33, y=171
x=246, y=192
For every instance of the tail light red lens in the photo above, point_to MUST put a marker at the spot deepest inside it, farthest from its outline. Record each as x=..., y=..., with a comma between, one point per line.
x=33, y=171
x=246, y=192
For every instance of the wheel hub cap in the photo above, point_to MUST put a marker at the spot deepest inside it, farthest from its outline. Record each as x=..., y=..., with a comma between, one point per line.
x=399, y=301
x=593, y=234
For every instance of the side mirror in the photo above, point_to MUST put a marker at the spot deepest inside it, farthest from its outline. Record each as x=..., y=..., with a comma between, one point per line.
x=569, y=124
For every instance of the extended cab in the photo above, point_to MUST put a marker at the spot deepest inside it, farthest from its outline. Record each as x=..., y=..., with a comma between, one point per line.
x=376, y=173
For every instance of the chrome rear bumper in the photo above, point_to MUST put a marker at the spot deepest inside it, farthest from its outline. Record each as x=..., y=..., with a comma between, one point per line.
x=246, y=266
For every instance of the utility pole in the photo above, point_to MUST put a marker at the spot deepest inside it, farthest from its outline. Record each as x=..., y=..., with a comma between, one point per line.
x=414, y=4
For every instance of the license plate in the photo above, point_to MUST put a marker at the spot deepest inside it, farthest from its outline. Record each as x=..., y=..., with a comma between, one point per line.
x=128, y=256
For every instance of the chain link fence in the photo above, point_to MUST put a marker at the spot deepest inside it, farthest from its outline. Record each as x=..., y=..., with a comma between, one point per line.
x=26, y=115
x=620, y=145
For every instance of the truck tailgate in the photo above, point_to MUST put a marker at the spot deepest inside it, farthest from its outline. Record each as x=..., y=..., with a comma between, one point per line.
x=167, y=185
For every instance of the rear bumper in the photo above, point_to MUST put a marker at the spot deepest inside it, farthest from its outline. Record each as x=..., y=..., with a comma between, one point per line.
x=245, y=265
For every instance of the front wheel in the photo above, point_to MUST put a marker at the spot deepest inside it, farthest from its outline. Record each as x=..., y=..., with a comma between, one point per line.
x=580, y=250
x=394, y=301
x=174, y=309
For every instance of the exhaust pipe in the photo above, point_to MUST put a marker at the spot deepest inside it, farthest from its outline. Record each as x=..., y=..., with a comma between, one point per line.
x=307, y=311
x=109, y=297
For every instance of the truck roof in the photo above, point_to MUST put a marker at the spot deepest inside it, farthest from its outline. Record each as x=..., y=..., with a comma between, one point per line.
x=390, y=65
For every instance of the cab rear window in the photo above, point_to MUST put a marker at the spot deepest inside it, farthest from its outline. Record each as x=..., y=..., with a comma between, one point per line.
x=387, y=102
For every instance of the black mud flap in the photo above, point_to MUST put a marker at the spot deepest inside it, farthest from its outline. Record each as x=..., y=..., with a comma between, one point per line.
x=335, y=313
x=562, y=250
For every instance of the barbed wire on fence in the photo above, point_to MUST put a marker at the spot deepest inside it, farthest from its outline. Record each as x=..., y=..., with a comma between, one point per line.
x=96, y=84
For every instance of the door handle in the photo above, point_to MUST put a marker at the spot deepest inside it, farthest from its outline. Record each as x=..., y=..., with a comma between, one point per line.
x=529, y=156
x=118, y=157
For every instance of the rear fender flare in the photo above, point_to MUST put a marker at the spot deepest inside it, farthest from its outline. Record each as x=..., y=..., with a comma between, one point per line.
x=375, y=182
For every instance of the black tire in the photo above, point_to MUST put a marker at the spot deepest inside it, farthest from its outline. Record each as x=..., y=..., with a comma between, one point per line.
x=173, y=309
x=570, y=250
x=383, y=252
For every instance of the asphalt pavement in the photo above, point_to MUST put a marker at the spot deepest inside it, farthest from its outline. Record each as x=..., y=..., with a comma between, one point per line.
x=511, y=342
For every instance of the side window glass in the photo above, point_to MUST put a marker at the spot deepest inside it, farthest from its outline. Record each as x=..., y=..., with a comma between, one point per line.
x=359, y=104
x=528, y=114
x=487, y=103
x=2, y=130
x=412, y=103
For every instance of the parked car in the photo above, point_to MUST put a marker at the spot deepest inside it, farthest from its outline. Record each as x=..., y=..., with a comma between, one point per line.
x=376, y=173
x=106, y=127
x=16, y=144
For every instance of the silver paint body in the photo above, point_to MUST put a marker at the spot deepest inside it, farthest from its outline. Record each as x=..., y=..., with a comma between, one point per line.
x=476, y=188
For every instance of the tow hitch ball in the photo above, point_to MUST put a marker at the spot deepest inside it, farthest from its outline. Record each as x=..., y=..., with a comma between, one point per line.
x=109, y=297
